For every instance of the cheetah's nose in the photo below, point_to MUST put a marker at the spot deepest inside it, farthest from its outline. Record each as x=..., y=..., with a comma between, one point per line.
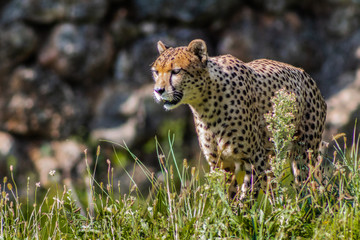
x=159, y=90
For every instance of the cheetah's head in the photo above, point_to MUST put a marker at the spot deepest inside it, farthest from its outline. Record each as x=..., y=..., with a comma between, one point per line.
x=176, y=73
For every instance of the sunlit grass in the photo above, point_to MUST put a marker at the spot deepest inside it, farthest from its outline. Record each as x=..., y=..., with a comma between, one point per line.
x=184, y=202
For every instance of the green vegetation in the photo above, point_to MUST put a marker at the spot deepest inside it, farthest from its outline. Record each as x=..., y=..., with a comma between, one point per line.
x=184, y=205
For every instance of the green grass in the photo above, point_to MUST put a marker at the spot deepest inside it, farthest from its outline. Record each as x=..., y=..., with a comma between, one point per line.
x=186, y=203
x=190, y=207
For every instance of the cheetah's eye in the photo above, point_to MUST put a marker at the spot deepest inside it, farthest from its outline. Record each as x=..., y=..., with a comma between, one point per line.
x=175, y=71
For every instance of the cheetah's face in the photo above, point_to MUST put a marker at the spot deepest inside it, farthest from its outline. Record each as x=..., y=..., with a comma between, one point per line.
x=173, y=72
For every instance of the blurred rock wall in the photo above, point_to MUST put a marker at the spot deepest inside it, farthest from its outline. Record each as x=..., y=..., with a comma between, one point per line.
x=73, y=72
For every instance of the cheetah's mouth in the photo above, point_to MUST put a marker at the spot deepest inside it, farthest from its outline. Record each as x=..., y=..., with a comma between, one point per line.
x=171, y=104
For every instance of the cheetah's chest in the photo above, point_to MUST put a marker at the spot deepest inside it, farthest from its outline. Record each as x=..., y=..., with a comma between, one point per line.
x=220, y=142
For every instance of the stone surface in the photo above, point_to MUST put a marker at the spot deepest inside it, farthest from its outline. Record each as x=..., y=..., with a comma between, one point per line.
x=122, y=29
x=64, y=157
x=253, y=35
x=7, y=144
x=344, y=20
x=37, y=103
x=17, y=42
x=49, y=11
x=186, y=10
x=343, y=108
x=339, y=57
x=78, y=53
x=7, y=150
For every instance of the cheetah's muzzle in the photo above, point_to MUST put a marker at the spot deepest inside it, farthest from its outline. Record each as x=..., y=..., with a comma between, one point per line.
x=169, y=102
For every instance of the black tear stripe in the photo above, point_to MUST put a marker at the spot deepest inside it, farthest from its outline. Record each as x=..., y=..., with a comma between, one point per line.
x=171, y=83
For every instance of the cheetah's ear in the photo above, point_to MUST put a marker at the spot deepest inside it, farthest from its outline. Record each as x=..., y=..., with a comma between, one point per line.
x=161, y=47
x=198, y=47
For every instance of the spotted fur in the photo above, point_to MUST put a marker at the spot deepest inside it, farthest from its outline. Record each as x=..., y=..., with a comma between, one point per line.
x=228, y=99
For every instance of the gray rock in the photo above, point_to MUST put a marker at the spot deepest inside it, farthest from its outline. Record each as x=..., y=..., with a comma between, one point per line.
x=186, y=10
x=85, y=10
x=286, y=38
x=63, y=157
x=17, y=42
x=13, y=11
x=344, y=20
x=123, y=30
x=7, y=150
x=78, y=53
x=36, y=102
x=120, y=114
x=344, y=108
x=7, y=144
x=49, y=11
x=274, y=6
x=339, y=58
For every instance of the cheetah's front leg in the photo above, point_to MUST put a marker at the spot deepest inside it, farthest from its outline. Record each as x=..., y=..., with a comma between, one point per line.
x=255, y=177
x=250, y=184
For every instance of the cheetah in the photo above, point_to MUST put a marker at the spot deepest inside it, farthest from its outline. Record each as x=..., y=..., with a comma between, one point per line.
x=228, y=99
